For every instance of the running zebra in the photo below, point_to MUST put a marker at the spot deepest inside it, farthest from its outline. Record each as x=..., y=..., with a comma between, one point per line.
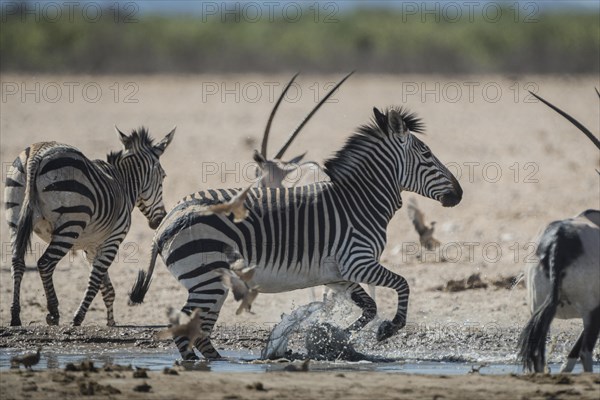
x=74, y=203
x=326, y=233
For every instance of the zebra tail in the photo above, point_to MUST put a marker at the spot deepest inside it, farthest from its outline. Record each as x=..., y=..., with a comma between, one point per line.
x=557, y=249
x=143, y=280
x=25, y=222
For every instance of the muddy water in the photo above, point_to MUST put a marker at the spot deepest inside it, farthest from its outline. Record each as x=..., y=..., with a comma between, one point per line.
x=247, y=361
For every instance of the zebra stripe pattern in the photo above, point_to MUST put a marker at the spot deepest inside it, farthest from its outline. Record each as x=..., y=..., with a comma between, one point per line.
x=74, y=203
x=326, y=233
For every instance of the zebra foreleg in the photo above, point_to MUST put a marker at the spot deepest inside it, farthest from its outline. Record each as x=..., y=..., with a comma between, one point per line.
x=360, y=297
x=108, y=295
x=378, y=275
x=17, y=271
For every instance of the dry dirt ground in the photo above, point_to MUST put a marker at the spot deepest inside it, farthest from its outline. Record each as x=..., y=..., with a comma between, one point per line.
x=299, y=385
x=520, y=165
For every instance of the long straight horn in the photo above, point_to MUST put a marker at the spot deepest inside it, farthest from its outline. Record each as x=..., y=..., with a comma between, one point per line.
x=308, y=117
x=263, y=147
x=582, y=128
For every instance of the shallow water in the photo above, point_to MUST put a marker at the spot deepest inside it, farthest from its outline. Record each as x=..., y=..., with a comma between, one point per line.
x=245, y=361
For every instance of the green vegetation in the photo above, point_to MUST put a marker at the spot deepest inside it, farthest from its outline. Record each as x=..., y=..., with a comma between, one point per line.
x=369, y=41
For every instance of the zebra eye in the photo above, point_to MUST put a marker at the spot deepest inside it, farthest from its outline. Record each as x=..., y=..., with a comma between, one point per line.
x=427, y=153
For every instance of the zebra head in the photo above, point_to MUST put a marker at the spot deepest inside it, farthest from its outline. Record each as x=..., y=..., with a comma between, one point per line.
x=420, y=172
x=145, y=170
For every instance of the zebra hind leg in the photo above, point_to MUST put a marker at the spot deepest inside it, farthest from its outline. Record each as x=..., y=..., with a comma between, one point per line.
x=14, y=193
x=99, y=273
x=46, y=264
x=209, y=314
x=203, y=344
x=108, y=295
x=182, y=342
x=17, y=271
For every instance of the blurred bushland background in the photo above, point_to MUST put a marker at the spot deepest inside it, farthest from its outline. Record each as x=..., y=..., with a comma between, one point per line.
x=470, y=37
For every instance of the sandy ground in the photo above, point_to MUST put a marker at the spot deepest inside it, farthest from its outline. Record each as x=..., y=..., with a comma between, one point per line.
x=520, y=165
x=299, y=385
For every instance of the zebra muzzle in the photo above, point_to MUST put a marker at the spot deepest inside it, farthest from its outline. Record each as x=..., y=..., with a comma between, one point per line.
x=452, y=197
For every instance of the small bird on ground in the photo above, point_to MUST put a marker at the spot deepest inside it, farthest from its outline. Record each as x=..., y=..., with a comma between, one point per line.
x=27, y=359
x=237, y=278
x=425, y=232
x=235, y=206
x=302, y=368
x=192, y=328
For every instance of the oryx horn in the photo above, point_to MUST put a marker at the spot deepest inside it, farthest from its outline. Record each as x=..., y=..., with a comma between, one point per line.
x=263, y=147
x=582, y=128
x=305, y=120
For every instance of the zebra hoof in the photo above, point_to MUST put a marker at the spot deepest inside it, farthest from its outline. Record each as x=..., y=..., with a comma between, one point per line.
x=386, y=330
x=77, y=321
x=52, y=319
x=191, y=357
x=15, y=321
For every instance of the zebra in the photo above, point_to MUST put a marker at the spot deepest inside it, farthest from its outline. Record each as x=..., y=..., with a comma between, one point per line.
x=564, y=283
x=275, y=173
x=326, y=233
x=74, y=203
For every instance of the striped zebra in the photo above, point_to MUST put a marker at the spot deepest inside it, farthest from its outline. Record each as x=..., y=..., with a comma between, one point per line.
x=74, y=203
x=326, y=233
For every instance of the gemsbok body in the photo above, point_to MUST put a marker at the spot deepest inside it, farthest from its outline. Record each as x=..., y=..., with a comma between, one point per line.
x=327, y=233
x=565, y=283
x=74, y=203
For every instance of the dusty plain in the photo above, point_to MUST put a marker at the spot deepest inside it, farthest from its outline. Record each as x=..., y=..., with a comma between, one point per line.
x=520, y=165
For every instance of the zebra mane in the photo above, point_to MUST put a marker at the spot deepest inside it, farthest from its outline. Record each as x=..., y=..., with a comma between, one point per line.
x=113, y=157
x=367, y=136
x=139, y=139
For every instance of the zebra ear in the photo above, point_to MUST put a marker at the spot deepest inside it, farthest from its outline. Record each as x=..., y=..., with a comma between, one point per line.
x=381, y=120
x=123, y=137
x=397, y=124
x=160, y=147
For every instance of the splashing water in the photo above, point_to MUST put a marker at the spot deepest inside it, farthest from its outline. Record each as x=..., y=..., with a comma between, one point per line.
x=323, y=340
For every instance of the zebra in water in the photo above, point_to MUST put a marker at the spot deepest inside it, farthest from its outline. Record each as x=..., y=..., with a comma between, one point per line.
x=74, y=203
x=326, y=233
